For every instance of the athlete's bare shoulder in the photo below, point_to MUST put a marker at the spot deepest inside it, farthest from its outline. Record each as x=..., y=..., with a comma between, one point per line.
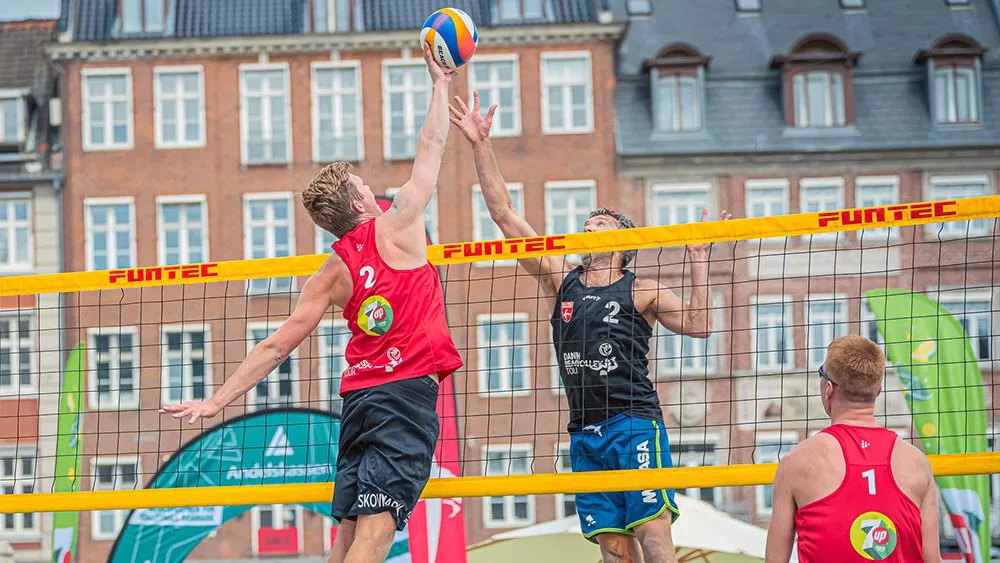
x=334, y=277
x=814, y=467
x=910, y=469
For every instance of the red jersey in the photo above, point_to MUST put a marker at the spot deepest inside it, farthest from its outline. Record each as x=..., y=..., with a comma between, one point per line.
x=868, y=517
x=396, y=317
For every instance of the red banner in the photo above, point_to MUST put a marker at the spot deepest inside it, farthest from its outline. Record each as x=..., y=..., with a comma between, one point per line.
x=275, y=541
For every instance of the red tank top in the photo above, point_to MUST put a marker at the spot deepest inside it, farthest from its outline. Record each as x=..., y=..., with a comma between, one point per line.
x=396, y=318
x=868, y=517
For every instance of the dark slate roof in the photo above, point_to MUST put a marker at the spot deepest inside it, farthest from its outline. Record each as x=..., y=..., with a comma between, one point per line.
x=22, y=50
x=96, y=20
x=743, y=93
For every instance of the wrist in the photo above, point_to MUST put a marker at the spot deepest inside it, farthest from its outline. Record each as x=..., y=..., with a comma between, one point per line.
x=481, y=143
x=215, y=403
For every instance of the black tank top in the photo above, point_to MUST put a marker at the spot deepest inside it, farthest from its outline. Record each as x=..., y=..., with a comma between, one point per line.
x=601, y=343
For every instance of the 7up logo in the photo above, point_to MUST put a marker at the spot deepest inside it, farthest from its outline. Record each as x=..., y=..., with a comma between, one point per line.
x=375, y=315
x=873, y=536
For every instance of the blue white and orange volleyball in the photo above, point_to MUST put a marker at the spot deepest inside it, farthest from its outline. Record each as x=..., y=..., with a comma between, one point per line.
x=452, y=37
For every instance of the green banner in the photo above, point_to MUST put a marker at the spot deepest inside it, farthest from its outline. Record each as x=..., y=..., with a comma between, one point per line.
x=944, y=390
x=67, y=479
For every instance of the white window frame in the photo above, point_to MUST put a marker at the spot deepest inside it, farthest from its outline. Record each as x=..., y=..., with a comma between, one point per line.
x=703, y=188
x=293, y=358
x=255, y=524
x=509, y=521
x=478, y=218
x=952, y=295
x=324, y=376
x=840, y=323
x=116, y=403
x=951, y=100
x=548, y=128
x=19, y=114
x=12, y=225
x=835, y=100
x=89, y=228
x=358, y=109
x=16, y=389
x=159, y=143
x=186, y=375
x=20, y=452
x=957, y=229
x=88, y=144
x=248, y=240
x=676, y=81
x=557, y=387
x=407, y=119
x=161, y=238
x=590, y=185
x=787, y=324
x=482, y=366
x=806, y=184
x=431, y=216
x=711, y=362
x=781, y=438
x=861, y=183
x=244, y=113
x=121, y=516
x=561, y=498
x=321, y=246
x=700, y=438
x=766, y=184
x=474, y=86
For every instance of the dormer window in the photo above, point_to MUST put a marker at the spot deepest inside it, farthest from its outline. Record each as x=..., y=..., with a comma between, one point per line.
x=748, y=5
x=515, y=10
x=11, y=120
x=143, y=16
x=676, y=78
x=953, y=72
x=818, y=86
x=330, y=16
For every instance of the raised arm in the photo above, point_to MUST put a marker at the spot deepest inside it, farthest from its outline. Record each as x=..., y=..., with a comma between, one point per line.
x=406, y=218
x=548, y=270
x=781, y=531
x=331, y=284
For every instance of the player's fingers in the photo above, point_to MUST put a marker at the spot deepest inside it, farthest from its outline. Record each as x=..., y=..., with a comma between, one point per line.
x=704, y=214
x=461, y=104
x=475, y=101
x=489, y=114
x=194, y=417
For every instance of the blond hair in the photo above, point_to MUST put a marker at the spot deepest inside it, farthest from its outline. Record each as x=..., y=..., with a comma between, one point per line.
x=328, y=199
x=857, y=366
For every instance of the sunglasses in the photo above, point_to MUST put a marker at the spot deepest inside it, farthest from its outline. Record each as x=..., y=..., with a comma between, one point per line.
x=822, y=375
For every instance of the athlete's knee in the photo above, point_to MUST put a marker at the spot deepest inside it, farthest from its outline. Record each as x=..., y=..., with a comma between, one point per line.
x=375, y=529
x=617, y=548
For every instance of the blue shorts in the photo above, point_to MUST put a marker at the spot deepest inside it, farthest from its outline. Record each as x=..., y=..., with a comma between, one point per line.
x=621, y=442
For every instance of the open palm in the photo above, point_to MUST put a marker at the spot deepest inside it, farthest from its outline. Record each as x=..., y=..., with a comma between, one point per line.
x=470, y=122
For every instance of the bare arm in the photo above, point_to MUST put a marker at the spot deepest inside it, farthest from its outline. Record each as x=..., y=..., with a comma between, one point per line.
x=406, y=218
x=781, y=531
x=476, y=128
x=929, y=518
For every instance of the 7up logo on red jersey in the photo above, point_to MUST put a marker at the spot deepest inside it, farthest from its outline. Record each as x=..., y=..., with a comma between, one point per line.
x=375, y=315
x=873, y=536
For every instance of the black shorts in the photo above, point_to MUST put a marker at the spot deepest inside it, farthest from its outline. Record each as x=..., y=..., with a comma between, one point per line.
x=387, y=438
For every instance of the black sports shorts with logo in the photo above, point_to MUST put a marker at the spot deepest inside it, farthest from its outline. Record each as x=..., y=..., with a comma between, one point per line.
x=387, y=439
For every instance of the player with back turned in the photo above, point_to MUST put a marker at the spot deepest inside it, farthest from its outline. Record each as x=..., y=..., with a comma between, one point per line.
x=602, y=323
x=400, y=344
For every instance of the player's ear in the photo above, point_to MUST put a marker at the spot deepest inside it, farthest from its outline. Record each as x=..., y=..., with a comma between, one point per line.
x=357, y=206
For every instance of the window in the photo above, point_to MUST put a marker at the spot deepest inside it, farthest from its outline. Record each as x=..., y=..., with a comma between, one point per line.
x=143, y=16
x=483, y=227
x=333, y=339
x=677, y=103
x=179, y=107
x=114, y=367
x=956, y=94
x=821, y=194
x=110, y=233
x=331, y=15
x=869, y=329
x=17, y=476
x=324, y=241
x=957, y=2
x=676, y=204
x=107, y=109
x=567, y=95
x=957, y=187
x=269, y=232
x=766, y=198
x=826, y=320
x=568, y=205
x=773, y=345
x=846, y=4
x=277, y=529
x=265, y=114
x=510, y=511
x=565, y=503
x=183, y=236
x=15, y=232
x=639, y=7
x=11, y=120
x=697, y=454
x=819, y=99
x=877, y=191
x=974, y=311
x=278, y=388
x=336, y=111
x=748, y=5
x=186, y=363
x=112, y=475
x=17, y=344
x=406, y=95
x=495, y=77
x=512, y=10
x=683, y=355
x=770, y=449
x=503, y=353
x=430, y=212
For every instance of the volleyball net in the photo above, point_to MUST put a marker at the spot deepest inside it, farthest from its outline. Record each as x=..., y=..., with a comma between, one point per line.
x=90, y=357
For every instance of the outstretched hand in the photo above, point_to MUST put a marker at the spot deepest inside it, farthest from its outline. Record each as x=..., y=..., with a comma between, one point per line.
x=700, y=251
x=471, y=122
x=438, y=73
x=194, y=409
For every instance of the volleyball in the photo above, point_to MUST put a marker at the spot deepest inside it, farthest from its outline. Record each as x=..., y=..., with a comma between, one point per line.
x=452, y=36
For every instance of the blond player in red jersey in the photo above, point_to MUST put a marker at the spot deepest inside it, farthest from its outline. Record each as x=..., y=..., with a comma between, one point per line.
x=855, y=491
x=400, y=344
